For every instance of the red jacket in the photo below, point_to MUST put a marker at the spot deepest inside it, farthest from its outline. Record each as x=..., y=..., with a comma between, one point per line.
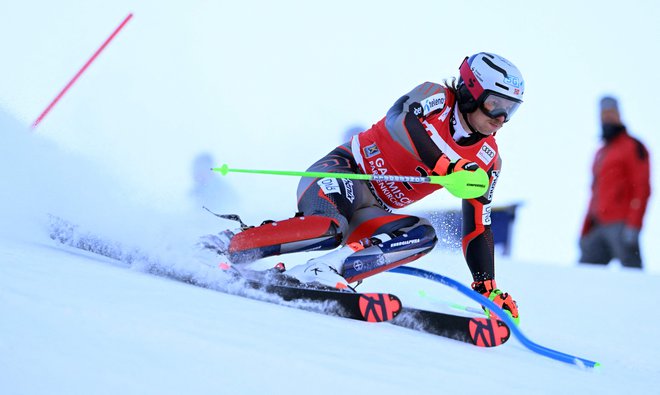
x=621, y=186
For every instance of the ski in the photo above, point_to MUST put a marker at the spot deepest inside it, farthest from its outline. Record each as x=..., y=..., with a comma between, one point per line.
x=370, y=307
x=479, y=331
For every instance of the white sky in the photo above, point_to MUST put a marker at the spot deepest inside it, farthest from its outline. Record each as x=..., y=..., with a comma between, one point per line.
x=274, y=85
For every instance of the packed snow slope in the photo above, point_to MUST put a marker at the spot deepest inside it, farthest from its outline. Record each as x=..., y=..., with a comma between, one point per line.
x=72, y=322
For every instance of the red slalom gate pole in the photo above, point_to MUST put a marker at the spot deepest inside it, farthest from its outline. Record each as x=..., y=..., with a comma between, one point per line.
x=82, y=70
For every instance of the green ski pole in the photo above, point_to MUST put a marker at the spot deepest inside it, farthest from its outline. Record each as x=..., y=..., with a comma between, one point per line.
x=462, y=184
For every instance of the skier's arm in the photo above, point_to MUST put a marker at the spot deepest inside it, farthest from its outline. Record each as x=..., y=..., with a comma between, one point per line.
x=404, y=121
x=478, y=246
x=479, y=249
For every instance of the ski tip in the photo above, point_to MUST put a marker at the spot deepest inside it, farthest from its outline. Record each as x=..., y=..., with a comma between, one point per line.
x=488, y=332
x=379, y=307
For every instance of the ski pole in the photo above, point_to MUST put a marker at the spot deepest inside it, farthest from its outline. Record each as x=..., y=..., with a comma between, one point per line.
x=462, y=184
x=453, y=305
x=503, y=316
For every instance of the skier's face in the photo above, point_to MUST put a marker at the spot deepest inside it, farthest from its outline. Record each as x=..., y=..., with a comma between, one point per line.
x=484, y=124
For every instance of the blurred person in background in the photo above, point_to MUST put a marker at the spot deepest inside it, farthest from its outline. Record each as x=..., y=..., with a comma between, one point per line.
x=620, y=192
x=208, y=189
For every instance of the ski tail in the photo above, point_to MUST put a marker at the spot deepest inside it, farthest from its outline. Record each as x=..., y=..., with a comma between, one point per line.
x=488, y=332
x=379, y=307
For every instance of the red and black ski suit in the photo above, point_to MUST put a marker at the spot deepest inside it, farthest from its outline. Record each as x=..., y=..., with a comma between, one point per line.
x=419, y=128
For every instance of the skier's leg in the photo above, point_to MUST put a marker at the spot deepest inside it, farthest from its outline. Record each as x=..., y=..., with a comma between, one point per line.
x=300, y=233
x=324, y=206
x=377, y=241
x=389, y=241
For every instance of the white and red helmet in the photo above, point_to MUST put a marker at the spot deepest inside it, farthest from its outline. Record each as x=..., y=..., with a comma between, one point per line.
x=492, y=83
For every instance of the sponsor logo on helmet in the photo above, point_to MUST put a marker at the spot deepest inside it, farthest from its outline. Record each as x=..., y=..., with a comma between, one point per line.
x=371, y=150
x=486, y=153
x=433, y=103
x=477, y=74
x=513, y=81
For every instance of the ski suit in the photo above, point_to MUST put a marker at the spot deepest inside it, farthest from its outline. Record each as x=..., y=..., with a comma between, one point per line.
x=419, y=128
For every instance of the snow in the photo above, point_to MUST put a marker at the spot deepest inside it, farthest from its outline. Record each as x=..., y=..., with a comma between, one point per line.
x=76, y=322
x=248, y=83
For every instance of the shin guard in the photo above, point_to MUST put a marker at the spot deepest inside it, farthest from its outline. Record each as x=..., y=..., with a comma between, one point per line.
x=385, y=255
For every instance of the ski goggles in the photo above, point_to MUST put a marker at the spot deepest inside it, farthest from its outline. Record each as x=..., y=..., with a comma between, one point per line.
x=495, y=105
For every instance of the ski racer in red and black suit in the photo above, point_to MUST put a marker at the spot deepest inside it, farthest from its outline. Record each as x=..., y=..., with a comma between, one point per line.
x=432, y=130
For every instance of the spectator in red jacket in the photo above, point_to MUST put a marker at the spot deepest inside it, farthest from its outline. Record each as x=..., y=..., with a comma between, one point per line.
x=620, y=192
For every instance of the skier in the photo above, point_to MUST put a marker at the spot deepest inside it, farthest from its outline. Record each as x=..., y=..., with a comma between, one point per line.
x=432, y=130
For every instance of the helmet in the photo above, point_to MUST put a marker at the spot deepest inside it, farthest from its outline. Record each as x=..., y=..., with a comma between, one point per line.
x=489, y=82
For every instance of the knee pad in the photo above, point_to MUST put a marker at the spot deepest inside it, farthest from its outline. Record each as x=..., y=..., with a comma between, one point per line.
x=389, y=252
x=304, y=233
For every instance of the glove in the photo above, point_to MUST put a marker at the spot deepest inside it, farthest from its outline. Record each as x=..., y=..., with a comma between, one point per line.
x=444, y=166
x=630, y=236
x=489, y=289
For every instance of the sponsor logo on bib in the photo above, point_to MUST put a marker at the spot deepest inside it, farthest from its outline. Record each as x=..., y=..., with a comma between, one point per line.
x=486, y=153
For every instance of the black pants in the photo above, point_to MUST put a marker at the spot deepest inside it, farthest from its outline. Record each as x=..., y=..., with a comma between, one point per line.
x=605, y=242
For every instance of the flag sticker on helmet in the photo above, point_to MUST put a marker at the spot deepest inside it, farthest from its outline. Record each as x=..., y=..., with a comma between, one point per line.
x=432, y=103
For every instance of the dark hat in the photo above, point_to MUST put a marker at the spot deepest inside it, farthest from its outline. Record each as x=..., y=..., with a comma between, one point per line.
x=608, y=103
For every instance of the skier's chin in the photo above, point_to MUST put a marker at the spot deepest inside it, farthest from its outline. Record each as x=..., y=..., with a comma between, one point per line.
x=492, y=127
